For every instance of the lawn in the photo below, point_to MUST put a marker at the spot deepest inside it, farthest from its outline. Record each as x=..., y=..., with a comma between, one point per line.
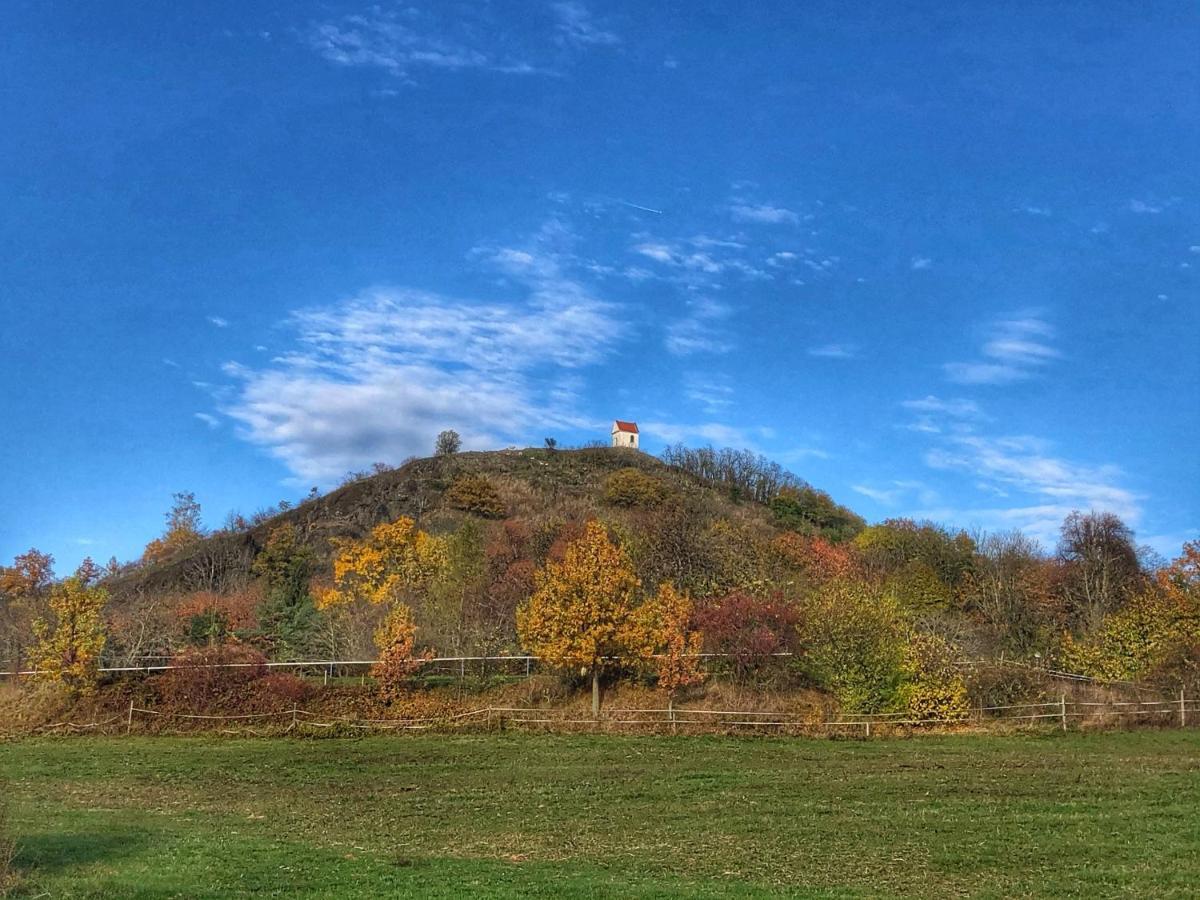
x=510, y=815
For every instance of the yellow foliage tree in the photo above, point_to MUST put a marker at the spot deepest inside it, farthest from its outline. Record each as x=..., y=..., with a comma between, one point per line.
x=68, y=652
x=667, y=623
x=395, y=559
x=581, y=613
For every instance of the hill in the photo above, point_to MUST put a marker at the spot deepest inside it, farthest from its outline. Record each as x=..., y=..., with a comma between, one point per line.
x=533, y=484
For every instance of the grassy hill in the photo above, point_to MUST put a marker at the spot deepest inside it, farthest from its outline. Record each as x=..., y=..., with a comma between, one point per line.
x=534, y=484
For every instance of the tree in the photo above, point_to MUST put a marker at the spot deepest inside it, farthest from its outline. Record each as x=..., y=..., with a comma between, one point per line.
x=395, y=559
x=448, y=443
x=581, y=610
x=551, y=443
x=67, y=651
x=183, y=528
x=1101, y=559
x=287, y=617
x=1008, y=589
x=809, y=511
x=388, y=568
x=396, y=639
x=668, y=621
x=23, y=588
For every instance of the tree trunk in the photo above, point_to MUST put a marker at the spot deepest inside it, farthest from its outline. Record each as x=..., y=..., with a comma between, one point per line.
x=595, y=692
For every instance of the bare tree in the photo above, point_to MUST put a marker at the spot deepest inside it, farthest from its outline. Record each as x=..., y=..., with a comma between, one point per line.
x=1102, y=565
x=448, y=443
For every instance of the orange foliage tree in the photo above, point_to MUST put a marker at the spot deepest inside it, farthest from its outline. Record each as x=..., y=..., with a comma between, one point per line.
x=668, y=622
x=581, y=613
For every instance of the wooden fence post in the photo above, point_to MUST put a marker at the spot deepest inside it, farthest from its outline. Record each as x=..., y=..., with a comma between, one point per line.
x=1063, y=702
x=1182, y=710
x=129, y=723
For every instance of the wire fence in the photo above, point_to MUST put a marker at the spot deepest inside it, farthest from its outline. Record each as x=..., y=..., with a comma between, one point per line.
x=1063, y=714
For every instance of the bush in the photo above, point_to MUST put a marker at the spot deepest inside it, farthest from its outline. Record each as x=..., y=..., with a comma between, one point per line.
x=476, y=494
x=207, y=677
x=813, y=512
x=632, y=487
x=933, y=689
x=748, y=629
x=855, y=646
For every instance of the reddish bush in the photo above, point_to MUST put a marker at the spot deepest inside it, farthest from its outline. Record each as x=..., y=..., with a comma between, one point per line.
x=748, y=629
x=208, y=677
x=279, y=690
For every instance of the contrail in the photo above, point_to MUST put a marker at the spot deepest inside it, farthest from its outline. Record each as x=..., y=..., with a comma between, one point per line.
x=657, y=212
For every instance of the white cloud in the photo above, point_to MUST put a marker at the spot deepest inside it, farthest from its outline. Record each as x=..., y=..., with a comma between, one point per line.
x=698, y=332
x=921, y=262
x=715, y=433
x=404, y=40
x=375, y=377
x=1025, y=467
x=210, y=420
x=218, y=321
x=1015, y=349
x=834, y=351
x=1031, y=210
x=957, y=408
x=577, y=27
x=711, y=390
x=763, y=214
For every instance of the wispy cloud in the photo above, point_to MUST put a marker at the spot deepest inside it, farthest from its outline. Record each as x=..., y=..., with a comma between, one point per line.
x=577, y=27
x=921, y=262
x=1043, y=487
x=1014, y=351
x=1151, y=206
x=898, y=491
x=402, y=41
x=958, y=408
x=711, y=390
x=763, y=214
x=699, y=331
x=210, y=420
x=218, y=322
x=376, y=376
x=834, y=351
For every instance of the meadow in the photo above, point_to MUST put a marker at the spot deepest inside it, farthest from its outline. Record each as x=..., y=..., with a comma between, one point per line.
x=506, y=815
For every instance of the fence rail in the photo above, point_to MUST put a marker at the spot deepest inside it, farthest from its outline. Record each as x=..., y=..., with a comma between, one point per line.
x=1061, y=713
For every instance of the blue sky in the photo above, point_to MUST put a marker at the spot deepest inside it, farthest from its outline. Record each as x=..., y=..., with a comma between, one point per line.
x=939, y=259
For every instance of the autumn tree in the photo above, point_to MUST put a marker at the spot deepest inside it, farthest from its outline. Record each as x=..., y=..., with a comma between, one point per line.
x=67, y=649
x=183, y=528
x=395, y=562
x=23, y=589
x=667, y=620
x=287, y=616
x=581, y=611
x=396, y=639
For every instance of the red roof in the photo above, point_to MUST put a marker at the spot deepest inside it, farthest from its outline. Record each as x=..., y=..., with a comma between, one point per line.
x=626, y=426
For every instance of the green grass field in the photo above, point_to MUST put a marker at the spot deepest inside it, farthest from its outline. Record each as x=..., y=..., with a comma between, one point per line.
x=607, y=816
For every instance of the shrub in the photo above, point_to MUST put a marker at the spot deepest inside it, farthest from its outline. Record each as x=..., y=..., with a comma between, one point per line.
x=855, y=645
x=750, y=630
x=206, y=677
x=813, y=512
x=476, y=494
x=632, y=487
x=933, y=689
